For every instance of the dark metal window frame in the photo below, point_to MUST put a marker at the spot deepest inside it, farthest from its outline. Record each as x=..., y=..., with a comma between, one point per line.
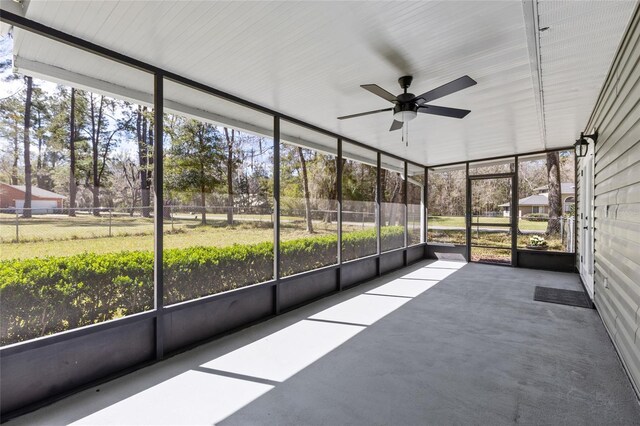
x=514, y=222
x=159, y=76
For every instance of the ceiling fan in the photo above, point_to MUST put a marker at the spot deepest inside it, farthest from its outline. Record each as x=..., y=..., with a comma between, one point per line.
x=407, y=105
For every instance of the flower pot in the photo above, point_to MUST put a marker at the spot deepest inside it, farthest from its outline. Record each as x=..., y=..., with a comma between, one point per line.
x=537, y=247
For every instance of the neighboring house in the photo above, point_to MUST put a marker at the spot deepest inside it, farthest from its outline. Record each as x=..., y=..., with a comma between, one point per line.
x=539, y=202
x=42, y=201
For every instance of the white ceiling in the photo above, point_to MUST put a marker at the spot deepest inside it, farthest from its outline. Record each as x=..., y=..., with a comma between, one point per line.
x=308, y=59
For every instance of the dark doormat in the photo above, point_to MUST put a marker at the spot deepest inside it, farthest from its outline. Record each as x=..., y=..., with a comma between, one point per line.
x=562, y=297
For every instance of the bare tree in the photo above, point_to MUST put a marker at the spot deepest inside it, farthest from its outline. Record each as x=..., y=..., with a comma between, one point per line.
x=15, y=153
x=395, y=197
x=131, y=173
x=26, y=211
x=555, y=195
x=231, y=140
x=72, y=154
x=305, y=186
x=102, y=139
x=11, y=117
x=144, y=136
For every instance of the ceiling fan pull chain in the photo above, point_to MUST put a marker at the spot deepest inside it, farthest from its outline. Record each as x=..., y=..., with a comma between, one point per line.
x=406, y=136
x=404, y=127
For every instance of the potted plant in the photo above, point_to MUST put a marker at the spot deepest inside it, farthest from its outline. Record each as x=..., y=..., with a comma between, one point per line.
x=537, y=242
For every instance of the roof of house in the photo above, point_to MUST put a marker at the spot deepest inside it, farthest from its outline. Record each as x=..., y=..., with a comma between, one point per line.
x=532, y=200
x=38, y=192
x=565, y=187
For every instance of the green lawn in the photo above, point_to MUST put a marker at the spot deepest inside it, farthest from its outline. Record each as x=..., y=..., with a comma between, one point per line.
x=61, y=235
x=86, y=226
x=62, y=227
x=459, y=222
x=496, y=239
x=217, y=234
x=480, y=237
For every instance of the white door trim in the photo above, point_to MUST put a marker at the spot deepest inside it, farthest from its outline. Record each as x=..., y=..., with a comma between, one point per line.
x=586, y=222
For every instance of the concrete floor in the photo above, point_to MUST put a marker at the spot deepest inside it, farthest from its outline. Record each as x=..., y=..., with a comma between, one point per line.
x=437, y=343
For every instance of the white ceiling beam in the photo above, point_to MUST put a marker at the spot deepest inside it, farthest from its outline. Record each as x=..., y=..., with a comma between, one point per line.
x=532, y=30
x=65, y=77
x=79, y=81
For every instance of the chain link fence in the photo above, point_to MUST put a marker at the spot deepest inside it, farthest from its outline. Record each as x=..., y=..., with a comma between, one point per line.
x=53, y=224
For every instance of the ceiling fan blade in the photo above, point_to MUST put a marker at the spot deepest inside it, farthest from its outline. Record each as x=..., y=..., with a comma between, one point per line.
x=377, y=90
x=444, y=111
x=446, y=89
x=396, y=125
x=364, y=113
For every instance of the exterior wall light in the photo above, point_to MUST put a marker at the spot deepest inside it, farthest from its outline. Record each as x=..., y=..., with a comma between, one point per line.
x=582, y=146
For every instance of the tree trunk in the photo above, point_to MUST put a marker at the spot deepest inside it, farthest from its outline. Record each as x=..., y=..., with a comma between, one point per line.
x=230, y=201
x=39, y=173
x=26, y=212
x=95, y=139
x=384, y=209
x=72, y=155
x=143, y=158
x=555, y=196
x=395, y=195
x=332, y=193
x=149, y=163
x=16, y=156
x=305, y=185
x=202, y=204
x=94, y=154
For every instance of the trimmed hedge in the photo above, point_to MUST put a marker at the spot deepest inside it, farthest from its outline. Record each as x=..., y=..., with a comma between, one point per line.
x=42, y=296
x=536, y=217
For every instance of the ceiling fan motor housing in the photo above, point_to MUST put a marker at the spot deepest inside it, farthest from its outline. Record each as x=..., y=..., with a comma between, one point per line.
x=405, y=110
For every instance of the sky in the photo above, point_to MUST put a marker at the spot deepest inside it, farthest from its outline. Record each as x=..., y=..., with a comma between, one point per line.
x=7, y=88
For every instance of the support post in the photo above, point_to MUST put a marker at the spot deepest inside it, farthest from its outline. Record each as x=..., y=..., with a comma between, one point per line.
x=378, y=208
x=514, y=213
x=575, y=208
x=405, y=200
x=276, y=212
x=468, y=212
x=158, y=276
x=424, y=206
x=339, y=211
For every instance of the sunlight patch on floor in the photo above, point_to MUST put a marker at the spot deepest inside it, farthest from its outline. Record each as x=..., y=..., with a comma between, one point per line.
x=431, y=273
x=404, y=288
x=284, y=353
x=191, y=398
x=364, y=309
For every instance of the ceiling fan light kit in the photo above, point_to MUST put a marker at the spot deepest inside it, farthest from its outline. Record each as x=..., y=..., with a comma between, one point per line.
x=407, y=105
x=404, y=116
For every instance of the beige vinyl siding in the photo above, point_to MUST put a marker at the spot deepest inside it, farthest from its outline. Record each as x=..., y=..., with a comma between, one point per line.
x=617, y=201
